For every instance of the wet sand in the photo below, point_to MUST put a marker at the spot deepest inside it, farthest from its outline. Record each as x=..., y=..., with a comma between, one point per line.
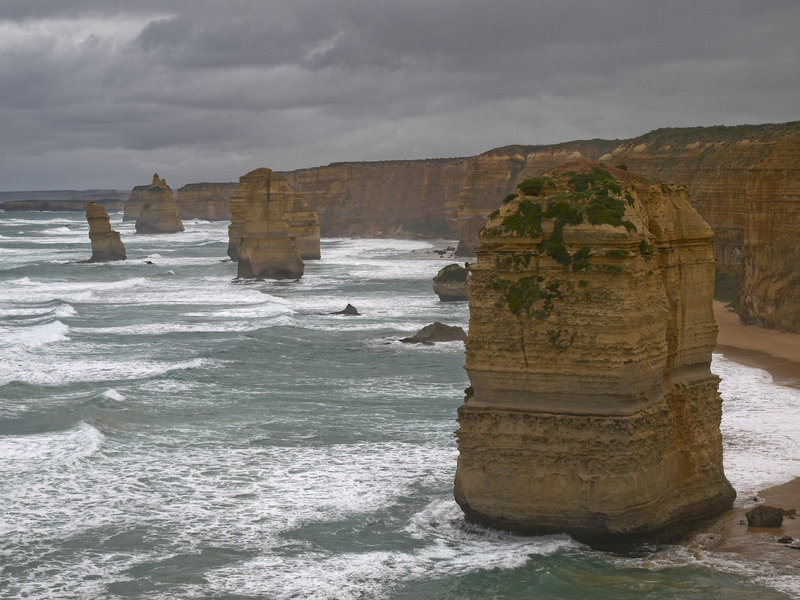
x=777, y=353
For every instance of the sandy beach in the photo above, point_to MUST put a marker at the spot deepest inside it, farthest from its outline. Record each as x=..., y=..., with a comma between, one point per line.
x=779, y=354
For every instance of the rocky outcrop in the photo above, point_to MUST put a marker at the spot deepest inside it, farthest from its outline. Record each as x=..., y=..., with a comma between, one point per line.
x=400, y=198
x=158, y=212
x=768, y=516
x=451, y=283
x=299, y=218
x=592, y=408
x=259, y=232
x=436, y=332
x=206, y=201
x=106, y=243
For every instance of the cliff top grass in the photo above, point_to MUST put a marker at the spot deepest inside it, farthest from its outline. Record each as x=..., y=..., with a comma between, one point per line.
x=454, y=273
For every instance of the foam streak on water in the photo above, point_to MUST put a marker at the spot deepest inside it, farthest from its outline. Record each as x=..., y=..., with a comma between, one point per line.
x=166, y=432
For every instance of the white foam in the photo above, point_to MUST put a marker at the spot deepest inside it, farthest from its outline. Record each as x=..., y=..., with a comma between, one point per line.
x=35, y=336
x=29, y=452
x=760, y=421
x=112, y=394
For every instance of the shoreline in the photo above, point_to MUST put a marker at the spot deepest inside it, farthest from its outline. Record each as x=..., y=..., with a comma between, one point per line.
x=774, y=351
x=778, y=353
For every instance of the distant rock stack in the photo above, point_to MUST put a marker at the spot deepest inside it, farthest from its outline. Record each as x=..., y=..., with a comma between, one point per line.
x=592, y=409
x=259, y=235
x=159, y=212
x=106, y=243
x=207, y=201
x=451, y=283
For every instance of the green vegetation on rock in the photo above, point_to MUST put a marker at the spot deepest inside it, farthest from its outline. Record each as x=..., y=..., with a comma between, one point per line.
x=451, y=273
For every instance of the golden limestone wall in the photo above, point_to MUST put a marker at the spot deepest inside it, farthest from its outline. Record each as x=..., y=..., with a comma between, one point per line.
x=300, y=218
x=106, y=243
x=158, y=212
x=259, y=232
x=412, y=198
x=207, y=201
x=592, y=408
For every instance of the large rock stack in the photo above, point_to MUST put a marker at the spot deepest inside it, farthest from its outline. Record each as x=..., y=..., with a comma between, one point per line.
x=592, y=408
x=300, y=219
x=159, y=212
x=106, y=243
x=259, y=234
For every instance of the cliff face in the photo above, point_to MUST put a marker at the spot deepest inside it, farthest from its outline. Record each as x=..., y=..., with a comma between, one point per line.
x=158, y=213
x=298, y=216
x=745, y=181
x=207, y=201
x=592, y=408
x=414, y=198
x=106, y=243
x=259, y=232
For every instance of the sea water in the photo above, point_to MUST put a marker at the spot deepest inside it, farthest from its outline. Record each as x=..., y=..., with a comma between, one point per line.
x=169, y=432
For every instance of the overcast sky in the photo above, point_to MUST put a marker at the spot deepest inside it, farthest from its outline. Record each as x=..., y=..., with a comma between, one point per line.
x=104, y=93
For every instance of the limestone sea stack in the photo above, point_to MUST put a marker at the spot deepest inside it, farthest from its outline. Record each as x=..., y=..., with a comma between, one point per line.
x=159, y=212
x=106, y=243
x=259, y=233
x=300, y=218
x=592, y=409
x=451, y=283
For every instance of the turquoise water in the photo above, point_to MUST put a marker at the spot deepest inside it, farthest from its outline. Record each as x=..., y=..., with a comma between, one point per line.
x=167, y=432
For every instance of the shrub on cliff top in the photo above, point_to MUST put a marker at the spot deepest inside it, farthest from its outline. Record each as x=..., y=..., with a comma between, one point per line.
x=535, y=186
x=451, y=273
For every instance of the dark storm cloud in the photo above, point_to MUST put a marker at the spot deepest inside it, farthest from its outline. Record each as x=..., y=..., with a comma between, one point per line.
x=194, y=88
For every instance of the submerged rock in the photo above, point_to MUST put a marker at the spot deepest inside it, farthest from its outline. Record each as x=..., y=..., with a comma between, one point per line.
x=348, y=310
x=592, y=408
x=437, y=332
x=259, y=232
x=451, y=283
x=106, y=243
x=159, y=212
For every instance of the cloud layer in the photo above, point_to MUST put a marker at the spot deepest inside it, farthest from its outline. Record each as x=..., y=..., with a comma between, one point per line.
x=104, y=93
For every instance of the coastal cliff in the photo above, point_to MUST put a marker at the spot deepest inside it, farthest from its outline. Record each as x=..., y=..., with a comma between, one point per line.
x=402, y=198
x=592, y=408
x=259, y=235
x=106, y=243
x=207, y=201
x=158, y=212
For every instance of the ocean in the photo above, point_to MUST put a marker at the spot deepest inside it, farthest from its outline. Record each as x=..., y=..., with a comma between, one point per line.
x=168, y=432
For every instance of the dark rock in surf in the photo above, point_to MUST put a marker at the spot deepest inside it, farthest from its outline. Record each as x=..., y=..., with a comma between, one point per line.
x=349, y=310
x=436, y=332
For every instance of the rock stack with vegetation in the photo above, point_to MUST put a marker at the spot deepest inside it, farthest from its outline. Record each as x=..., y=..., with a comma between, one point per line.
x=451, y=283
x=592, y=408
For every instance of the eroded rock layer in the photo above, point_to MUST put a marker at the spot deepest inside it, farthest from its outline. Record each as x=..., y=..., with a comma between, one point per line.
x=592, y=408
x=106, y=243
x=207, y=201
x=158, y=212
x=299, y=217
x=259, y=235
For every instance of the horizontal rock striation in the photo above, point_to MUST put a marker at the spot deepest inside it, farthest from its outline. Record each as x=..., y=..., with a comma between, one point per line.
x=592, y=409
x=106, y=243
x=402, y=198
x=158, y=212
x=299, y=217
x=206, y=201
x=259, y=235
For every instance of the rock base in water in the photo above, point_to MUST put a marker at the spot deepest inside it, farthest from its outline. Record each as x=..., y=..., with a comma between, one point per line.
x=592, y=409
x=106, y=243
